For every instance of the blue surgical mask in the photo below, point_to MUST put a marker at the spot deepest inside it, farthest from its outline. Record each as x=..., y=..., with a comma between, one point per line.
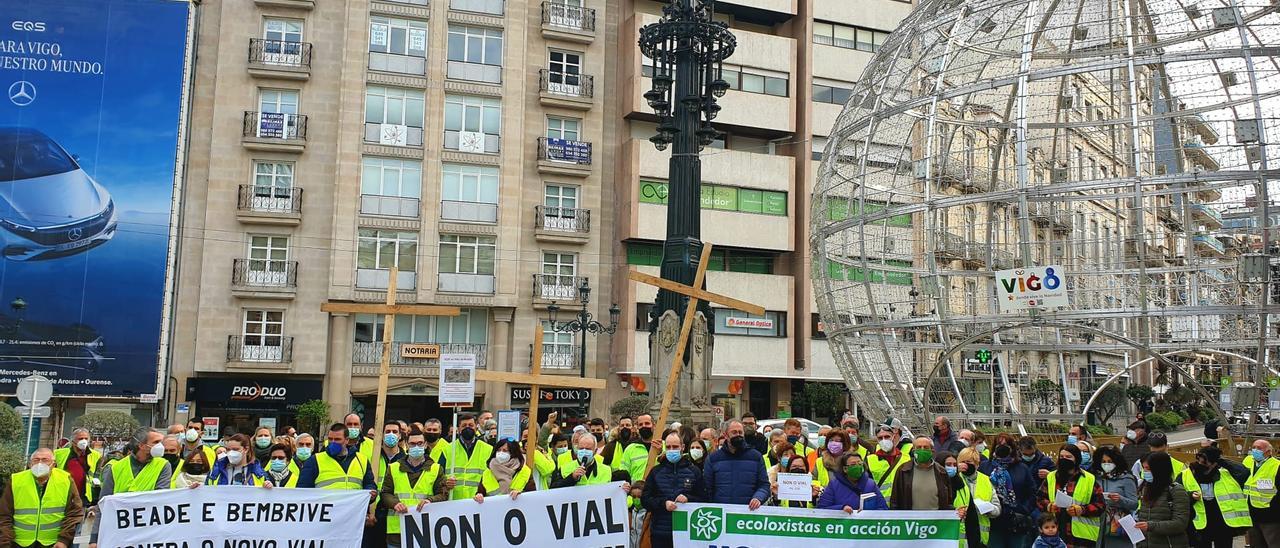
x=1085, y=460
x=304, y=453
x=334, y=449
x=278, y=465
x=793, y=439
x=673, y=455
x=584, y=454
x=1028, y=458
x=951, y=471
x=390, y=440
x=353, y=433
x=561, y=450
x=1147, y=477
x=822, y=440
x=1071, y=440
x=417, y=451
x=1258, y=455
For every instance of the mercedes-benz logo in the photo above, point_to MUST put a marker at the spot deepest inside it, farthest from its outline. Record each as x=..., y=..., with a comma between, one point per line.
x=22, y=93
x=74, y=234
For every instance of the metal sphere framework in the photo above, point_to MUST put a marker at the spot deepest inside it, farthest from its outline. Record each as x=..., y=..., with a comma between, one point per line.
x=1124, y=142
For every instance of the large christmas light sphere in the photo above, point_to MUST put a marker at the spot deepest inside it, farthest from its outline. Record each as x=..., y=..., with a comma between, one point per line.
x=1026, y=202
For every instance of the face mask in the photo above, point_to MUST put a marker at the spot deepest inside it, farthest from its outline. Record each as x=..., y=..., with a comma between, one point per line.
x=234, y=457
x=196, y=469
x=1066, y=464
x=468, y=434
x=390, y=440
x=1131, y=435
x=1108, y=467
x=334, y=449
x=1258, y=455
x=854, y=471
x=624, y=434
x=695, y=453
x=431, y=437
x=82, y=445
x=353, y=433
x=599, y=436
x=738, y=442
x=673, y=455
x=835, y=447
x=304, y=453
x=584, y=455
x=561, y=450
x=646, y=432
x=1085, y=460
x=263, y=442
x=157, y=450
x=970, y=469
x=822, y=440
x=886, y=445
x=608, y=435
x=963, y=441
x=981, y=447
x=278, y=465
x=1147, y=477
x=951, y=471
x=172, y=460
x=1071, y=440
x=853, y=438
x=40, y=469
x=193, y=435
x=793, y=439
x=1028, y=458
x=502, y=457
x=924, y=455
x=798, y=471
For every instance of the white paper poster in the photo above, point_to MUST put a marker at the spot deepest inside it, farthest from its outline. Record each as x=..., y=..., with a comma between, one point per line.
x=457, y=379
x=378, y=34
x=795, y=487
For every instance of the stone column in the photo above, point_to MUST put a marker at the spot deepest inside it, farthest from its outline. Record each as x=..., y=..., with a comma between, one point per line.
x=501, y=354
x=338, y=379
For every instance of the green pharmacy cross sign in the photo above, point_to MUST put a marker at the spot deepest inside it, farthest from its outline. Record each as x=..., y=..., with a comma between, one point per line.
x=984, y=355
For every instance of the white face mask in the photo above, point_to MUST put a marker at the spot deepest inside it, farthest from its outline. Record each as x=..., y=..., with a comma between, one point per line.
x=193, y=435
x=695, y=453
x=40, y=469
x=157, y=450
x=234, y=457
x=1131, y=435
x=82, y=444
x=964, y=442
x=982, y=446
x=503, y=457
x=1108, y=467
x=886, y=445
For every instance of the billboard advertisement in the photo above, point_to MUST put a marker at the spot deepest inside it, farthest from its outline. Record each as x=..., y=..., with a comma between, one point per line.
x=91, y=101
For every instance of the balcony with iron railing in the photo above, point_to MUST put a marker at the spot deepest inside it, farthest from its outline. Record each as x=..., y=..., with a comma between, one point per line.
x=1208, y=215
x=558, y=89
x=259, y=351
x=279, y=59
x=950, y=245
x=1198, y=154
x=274, y=131
x=555, y=287
x=561, y=224
x=564, y=157
x=269, y=205
x=263, y=278
x=367, y=356
x=567, y=22
x=1207, y=242
x=560, y=357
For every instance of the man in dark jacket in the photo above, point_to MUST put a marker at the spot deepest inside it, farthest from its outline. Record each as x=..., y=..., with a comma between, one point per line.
x=1136, y=447
x=1039, y=463
x=674, y=480
x=735, y=473
x=924, y=485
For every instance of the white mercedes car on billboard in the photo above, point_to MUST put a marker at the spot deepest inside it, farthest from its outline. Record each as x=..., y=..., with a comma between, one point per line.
x=49, y=207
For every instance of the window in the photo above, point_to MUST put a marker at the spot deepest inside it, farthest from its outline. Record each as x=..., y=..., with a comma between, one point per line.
x=753, y=80
x=645, y=254
x=393, y=116
x=737, y=322
x=558, y=280
x=472, y=124
x=390, y=186
x=475, y=53
x=834, y=95
x=467, y=183
x=565, y=72
x=272, y=186
x=268, y=262
x=843, y=36
x=469, y=327
x=561, y=197
x=1093, y=168
x=467, y=254
x=971, y=297
x=725, y=198
x=1077, y=163
x=838, y=209
x=970, y=224
x=557, y=348
x=277, y=113
x=262, y=338
x=397, y=45
x=383, y=249
x=284, y=101
x=567, y=129
x=282, y=30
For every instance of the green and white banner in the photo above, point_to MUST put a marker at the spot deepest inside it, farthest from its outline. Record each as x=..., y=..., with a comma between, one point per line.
x=717, y=526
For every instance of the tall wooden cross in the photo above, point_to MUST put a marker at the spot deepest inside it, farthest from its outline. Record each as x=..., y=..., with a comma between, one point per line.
x=695, y=293
x=389, y=311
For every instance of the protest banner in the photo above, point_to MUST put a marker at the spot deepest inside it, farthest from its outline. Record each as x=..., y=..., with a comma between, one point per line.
x=234, y=517
x=585, y=517
x=707, y=525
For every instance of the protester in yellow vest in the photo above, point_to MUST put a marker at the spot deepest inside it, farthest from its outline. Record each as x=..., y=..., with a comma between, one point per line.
x=279, y=467
x=433, y=431
x=505, y=473
x=1080, y=523
x=1164, y=509
x=1264, y=508
x=850, y=427
x=883, y=465
x=143, y=469
x=972, y=486
x=466, y=458
x=412, y=482
x=193, y=441
x=356, y=439
x=1221, y=510
x=41, y=506
x=194, y=472
x=81, y=462
x=585, y=468
x=545, y=462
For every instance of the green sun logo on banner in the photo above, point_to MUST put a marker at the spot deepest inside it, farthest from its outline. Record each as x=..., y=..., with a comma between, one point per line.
x=706, y=524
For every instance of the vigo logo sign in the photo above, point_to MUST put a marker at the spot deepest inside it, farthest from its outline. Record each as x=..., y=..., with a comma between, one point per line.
x=1023, y=289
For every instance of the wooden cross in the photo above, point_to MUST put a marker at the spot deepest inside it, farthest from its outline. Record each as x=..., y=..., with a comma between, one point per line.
x=695, y=293
x=389, y=311
x=536, y=380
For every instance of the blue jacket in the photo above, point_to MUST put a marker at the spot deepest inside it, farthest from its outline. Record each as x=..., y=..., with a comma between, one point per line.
x=1025, y=485
x=222, y=474
x=736, y=478
x=667, y=481
x=1039, y=461
x=841, y=492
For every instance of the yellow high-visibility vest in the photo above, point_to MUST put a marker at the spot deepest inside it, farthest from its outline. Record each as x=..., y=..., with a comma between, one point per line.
x=1232, y=504
x=467, y=470
x=602, y=474
x=983, y=490
x=518, y=482
x=1081, y=527
x=331, y=475
x=1261, y=487
x=60, y=458
x=882, y=473
x=125, y=482
x=410, y=493
x=38, y=518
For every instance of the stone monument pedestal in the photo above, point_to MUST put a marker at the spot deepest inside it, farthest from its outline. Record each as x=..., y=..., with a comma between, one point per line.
x=691, y=401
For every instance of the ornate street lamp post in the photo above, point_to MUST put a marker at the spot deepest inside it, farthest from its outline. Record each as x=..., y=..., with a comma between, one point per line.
x=584, y=323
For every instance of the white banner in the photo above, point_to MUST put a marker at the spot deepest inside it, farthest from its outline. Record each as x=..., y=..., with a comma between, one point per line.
x=704, y=525
x=1021, y=289
x=578, y=517
x=234, y=516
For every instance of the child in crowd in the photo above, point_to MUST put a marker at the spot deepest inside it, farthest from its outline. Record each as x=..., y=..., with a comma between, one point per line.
x=1049, y=533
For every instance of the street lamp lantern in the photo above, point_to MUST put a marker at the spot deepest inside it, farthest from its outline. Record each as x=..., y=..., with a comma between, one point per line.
x=584, y=292
x=584, y=323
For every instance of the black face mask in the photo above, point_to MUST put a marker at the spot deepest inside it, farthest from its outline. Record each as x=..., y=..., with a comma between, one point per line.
x=431, y=437
x=624, y=434
x=468, y=434
x=599, y=436
x=196, y=469
x=738, y=442
x=646, y=432
x=1066, y=464
x=173, y=460
x=751, y=432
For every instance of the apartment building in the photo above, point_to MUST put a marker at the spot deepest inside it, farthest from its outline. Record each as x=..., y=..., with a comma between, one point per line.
x=459, y=142
x=790, y=76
